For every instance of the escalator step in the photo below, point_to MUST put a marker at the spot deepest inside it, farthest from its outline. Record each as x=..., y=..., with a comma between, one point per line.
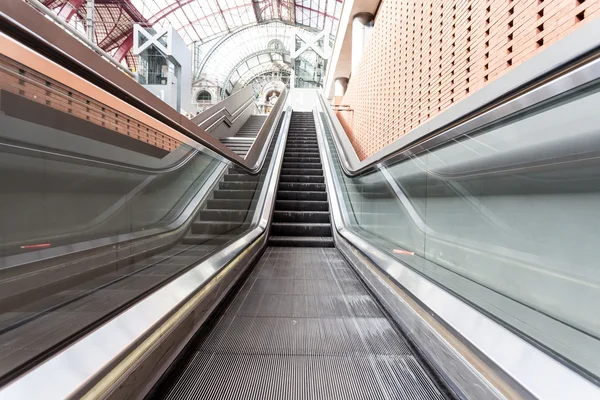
x=287, y=165
x=301, y=241
x=233, y=194
x=300, y=229
x=205, y=237
x=302, y=160
x=292, y=205
x=214, y=227
x=301, y=178
x=240, y=178
x=302, y=186
x=301, y=171
x=301, y=196
x=230, y=204
x=224, y=215
x=238, y=185
x=301, y=216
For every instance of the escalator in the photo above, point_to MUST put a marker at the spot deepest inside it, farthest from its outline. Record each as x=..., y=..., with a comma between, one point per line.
x=243, y=140
x=302, y=325
x=242, y=257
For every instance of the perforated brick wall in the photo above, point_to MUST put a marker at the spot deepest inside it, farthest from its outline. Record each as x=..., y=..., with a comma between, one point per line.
x=425, y=55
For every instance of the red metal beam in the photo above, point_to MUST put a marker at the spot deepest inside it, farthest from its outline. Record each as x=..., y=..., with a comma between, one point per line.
x=69, y=9
x=126, y=5
x=115, y=25
x=124, y=47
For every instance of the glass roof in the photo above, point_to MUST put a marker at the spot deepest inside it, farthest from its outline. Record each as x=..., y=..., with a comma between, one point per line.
x=233, y=40
x=202, y=20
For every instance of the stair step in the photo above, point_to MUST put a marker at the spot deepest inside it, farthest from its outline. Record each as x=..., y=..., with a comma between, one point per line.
x=205, y=237
x=301, y=150
x=305, y=154
x=240, y=178
x=234, y=194
x=301, y=196
x=299, y=229
x=238, y=185
x=301, y=171
x=214, y=227
x=301, y=146
x=229, y=204
x=293, y=140
x=225, y=215
x=302, y=186
x=302, y=165
x=301, y=216
x=297, y=137
x=302, y=160
x=302, y=178
x=306, y=205
x=301, y=241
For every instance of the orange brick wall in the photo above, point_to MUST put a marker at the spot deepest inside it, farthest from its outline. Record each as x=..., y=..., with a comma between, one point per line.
x=425, y=55
x=18, y=79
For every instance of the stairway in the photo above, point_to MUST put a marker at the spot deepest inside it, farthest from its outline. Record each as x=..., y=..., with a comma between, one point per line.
x=243, y=140
x=230, y=208
x=301, y=216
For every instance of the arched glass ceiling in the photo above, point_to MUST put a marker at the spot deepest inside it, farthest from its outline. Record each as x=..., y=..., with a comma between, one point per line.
x=203, y=20
x=228, y=61
x=197, y=21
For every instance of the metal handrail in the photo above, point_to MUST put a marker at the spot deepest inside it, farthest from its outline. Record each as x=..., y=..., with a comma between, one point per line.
x=542, y=88
x=23, y=24
x=229, y=118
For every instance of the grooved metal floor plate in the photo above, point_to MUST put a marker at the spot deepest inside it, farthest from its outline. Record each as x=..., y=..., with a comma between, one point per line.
x=302, y=327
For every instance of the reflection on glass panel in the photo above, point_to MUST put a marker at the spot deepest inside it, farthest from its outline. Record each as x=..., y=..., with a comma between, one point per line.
x=505, y=217
x=98, y=208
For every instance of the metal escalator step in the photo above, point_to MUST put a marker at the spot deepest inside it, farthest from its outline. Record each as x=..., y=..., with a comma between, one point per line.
x=301, y=216
x=302, y=160
x=300, y=229
x=301, y=178
x=302, y=186
x=228, y=203
x=293, y=141
x=293, y=205
x=301, y=196
x=292, y=336
x=287, y=165
x=302, y=146
x=301, y=171
x=240, y=178
x=215, y=227
x=224, y=215
x=234, y=194
x=246, y=185
x=203, y=238
x=303, y=154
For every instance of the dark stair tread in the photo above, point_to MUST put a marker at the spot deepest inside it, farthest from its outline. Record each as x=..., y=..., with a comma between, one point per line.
x=305, y=205
x=301, y=241
x=300, y=229
x=295, y=216
x=205, y=237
